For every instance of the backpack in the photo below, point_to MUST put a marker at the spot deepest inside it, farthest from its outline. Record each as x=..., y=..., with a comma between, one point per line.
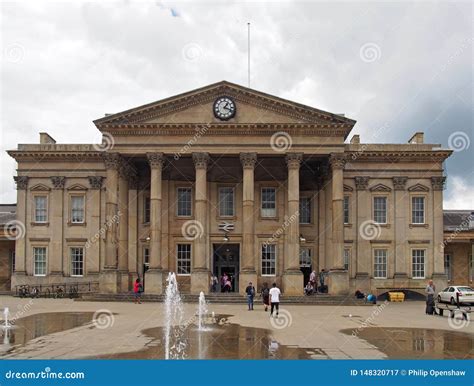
x=266, y=292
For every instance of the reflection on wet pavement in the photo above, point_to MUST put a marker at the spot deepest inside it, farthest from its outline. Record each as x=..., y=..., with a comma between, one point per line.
x=417, y=343
x=34, y=326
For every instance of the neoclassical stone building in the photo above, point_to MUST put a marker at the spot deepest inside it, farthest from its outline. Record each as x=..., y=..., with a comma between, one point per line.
x=226, y=179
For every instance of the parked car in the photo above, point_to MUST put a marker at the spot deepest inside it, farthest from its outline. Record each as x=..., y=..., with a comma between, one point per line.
x=449, y=295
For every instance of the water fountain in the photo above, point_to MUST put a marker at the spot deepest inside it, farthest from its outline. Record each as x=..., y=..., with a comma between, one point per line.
x=173, y=331
x=6, y=323
x=202, y=311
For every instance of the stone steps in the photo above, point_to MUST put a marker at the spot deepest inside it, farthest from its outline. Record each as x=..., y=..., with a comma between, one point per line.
x=322, y=299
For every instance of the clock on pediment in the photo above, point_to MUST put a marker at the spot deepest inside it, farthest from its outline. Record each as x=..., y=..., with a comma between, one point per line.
x=224, y=108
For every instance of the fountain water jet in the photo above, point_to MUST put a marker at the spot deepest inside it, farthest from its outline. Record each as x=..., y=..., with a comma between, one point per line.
x=174, y=344
x=202, y=311
x=6, y=323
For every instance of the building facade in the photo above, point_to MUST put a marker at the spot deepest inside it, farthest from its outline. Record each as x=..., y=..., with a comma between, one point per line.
x=226, y=179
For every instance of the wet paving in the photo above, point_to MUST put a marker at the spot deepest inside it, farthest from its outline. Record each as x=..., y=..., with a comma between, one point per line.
x=35, y=326
x=221, y=340
x=417, y=343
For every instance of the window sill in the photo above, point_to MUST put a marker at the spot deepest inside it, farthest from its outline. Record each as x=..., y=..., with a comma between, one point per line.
x=146, y=224
x=39, y=275
x=76, y=224
x=184, y=217
x=40, y=224
x=268, y=218
x=418, y=226
x=77, y=275
x=306, y=224
x=225, y=218
x=382, y=225
x=418, y=278
x=347, y=225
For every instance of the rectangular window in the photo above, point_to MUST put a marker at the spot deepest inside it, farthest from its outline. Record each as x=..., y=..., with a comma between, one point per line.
x=269, y=259
x=146, y=210
x=380, y=210
x=226, y=201
x=268, y=202
x=418, y=210
x=183, y=259
x=305, y=257
x=77, y=261
x=39, y=259
x=346, y=209
x=347, y=258
x=380, y=263
x=41, y=209
x=146, y=256
x=12, y=259
x=184, y=202
x=77, y=209
x=447, y=265
x=305, y=210
x=418, y=263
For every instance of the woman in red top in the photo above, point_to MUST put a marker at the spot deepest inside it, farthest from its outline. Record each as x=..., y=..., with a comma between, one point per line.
x=137, y=290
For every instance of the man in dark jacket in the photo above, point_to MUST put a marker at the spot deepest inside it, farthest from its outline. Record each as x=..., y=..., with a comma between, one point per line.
x=250, y=291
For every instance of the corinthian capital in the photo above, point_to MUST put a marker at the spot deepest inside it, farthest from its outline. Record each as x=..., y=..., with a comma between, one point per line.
x=21, y=182
x=112, y=160
x=201, y=160
x=400, y=183
x=293, y=160
x=337, y=160
x=438, y=183
x=361, y=183
x=248, y=160
x=58, y=182
x=156, y=160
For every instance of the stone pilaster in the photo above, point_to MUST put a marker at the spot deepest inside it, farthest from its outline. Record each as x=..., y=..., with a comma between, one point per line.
x=363, y=253
x=154, y=276
x=200, y=271
x=439, y=276
x=124, y=176
x=338, y=280
x=292, y=275
x=20, y=243
x=248, y=271
x=401, y=224
x=94, y=205
x=133, y=269
x=56, y=267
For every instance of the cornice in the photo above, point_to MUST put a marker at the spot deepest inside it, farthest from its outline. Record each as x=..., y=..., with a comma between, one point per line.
x=399, y=156
x=51, y=155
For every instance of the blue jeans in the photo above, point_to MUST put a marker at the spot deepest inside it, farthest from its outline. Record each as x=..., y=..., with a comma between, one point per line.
x=250, y=301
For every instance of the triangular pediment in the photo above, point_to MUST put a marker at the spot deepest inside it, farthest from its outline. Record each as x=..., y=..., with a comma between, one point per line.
x=348, y=188
x=380, y=188
x=77, y=187
x=196, y=107
x=418, y=188
x=40, y=188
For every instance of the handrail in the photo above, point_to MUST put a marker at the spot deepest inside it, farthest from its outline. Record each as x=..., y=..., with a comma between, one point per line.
x=52, y=288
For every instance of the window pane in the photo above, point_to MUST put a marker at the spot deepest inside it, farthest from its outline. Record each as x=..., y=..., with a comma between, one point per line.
x=305, y=210
x=418, y=263
x=40, y=209
x=447, y=265
x=269, y=259
x=77, y=261
x=305, y=257
x=346, y=209
x=347, y=255
x=146, y=213
x=184, y=201
x=146, y=256
x=226, y=201
x=184, y=259
x=380, y=263
x=380, y=210
x=77, y=212
x=418, y=210
x=39, y=258
x=268, y=202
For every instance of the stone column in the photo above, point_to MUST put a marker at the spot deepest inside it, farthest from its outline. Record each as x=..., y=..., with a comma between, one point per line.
x=338, y=281
x=292, y=275
x=133, y=269
x=124, y=175
x=154, y=276
x=200, y=272
x=439, y=276
x=363, y=217
x=400, y=273
x=18, y=277
x=93, y=246
x=109, y=276
x=248, y=272
x=56, y=206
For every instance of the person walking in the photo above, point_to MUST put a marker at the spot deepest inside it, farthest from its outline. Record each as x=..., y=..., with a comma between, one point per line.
x=430, y=303
x=265, y=293
x=250, y=291
x=214, y=282
x=322, y=278
x=275, y=299
x=312, y=278
x=137, y=290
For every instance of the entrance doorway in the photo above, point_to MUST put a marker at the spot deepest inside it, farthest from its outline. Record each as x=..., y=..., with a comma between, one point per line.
x=226, y=259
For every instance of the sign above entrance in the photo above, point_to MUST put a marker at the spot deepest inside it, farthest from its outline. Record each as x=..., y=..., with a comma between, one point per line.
x=226, y=226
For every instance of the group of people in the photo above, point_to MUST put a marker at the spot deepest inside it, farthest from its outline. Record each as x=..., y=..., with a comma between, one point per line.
x=270, y=297
x=312, y=285
x=226, y=283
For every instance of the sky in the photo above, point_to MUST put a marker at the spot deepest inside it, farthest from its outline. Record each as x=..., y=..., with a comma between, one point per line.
x=395, y=67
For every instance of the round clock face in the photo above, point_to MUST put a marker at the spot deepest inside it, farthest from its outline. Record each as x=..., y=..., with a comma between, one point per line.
x=224, y=108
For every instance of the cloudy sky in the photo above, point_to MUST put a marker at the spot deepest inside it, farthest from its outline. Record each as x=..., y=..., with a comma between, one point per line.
x=395, y=67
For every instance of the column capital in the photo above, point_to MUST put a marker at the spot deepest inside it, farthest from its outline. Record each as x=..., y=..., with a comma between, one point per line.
x=337, y=160
x=248, y=160
x=361, y=183
x=21, y=182
x=201, y=160
x=156, y=160
x=112, y=160
x=293, y=160
x=96, y=182
x=399, y=183
x=58, y=182
x=438, y=183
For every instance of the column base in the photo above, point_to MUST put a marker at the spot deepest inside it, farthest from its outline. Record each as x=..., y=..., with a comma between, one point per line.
x=200, y=281
x=108, y=281
x=244, y=278
x=293, y=283
x=440, y=280
x=338, y=282
x=154, y=281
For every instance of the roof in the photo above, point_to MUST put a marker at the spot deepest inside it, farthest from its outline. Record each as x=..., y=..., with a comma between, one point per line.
x=7, y=213
x=458, y=220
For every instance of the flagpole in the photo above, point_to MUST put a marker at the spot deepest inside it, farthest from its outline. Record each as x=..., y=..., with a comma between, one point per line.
x=248, y=50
